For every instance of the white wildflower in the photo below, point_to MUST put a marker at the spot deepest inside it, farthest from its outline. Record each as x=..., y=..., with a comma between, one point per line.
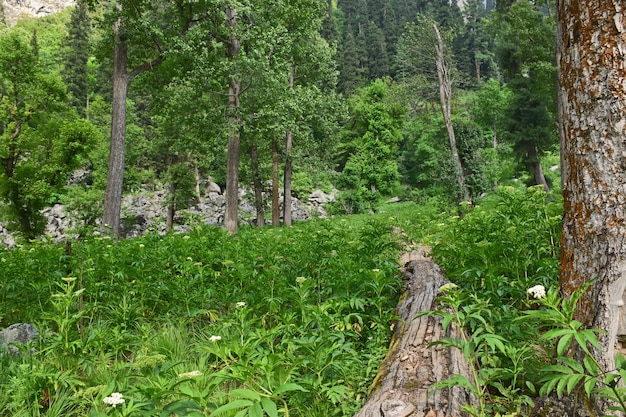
x=215, y=338
x=240, y=304
x=191, y=374
x=300, y=280
x=537, y=292
x=114, y=399
x=375, y=270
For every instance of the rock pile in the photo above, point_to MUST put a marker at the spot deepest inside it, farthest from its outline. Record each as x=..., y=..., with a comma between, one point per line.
x=147, y=211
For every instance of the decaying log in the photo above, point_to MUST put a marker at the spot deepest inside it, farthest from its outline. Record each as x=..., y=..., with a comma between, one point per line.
x=402, y=386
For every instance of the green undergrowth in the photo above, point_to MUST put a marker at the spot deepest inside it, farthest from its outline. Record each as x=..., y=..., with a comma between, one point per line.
x=278, y=321
x=285, y=321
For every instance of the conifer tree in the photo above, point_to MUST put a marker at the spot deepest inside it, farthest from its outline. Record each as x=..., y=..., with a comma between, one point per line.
x=76, y=56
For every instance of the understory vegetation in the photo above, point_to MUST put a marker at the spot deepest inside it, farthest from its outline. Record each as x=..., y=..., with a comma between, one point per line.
x=287, y=321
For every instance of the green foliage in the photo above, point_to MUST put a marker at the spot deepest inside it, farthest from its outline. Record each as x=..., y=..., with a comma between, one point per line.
x=273, y=322
x=42, y=142
x=520, y=228
x=371, y=142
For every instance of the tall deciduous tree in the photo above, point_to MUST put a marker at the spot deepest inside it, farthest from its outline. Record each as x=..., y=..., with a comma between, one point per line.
x=592, y=95
x=141, y=32
x=234, y=135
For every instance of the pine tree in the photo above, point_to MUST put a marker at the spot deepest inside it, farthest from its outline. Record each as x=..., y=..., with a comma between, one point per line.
x=75, y=72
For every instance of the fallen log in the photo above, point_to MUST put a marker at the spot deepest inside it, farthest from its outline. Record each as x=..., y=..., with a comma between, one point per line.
x=402, y=387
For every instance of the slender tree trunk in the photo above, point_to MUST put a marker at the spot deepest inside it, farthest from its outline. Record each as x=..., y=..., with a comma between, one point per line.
x=171, y=207
x=258, y=186
x=275, y=186
x=592, y=110
x=232, y=173
x=121, y=81
x=115, y=176
x=535, y=161
x=445, y=96
x=196, y=174
x=288, y=164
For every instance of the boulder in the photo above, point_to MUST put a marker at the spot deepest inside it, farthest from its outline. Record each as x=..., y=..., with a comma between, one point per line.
x=18, y=333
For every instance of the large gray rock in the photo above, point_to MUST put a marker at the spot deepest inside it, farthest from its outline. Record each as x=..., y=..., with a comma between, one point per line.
x=18, y=333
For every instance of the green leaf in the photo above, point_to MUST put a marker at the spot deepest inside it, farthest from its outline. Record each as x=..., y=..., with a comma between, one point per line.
x=548, y=387
x=554, y=333
x=563, y=344
x=447, y=319
x=590, y=385
x=572, y=364
x=233, y=405
x=573, y=380
x=590, y=366
x=246, y=393
x=270, y=407
x=288, y=387
x=255, y=410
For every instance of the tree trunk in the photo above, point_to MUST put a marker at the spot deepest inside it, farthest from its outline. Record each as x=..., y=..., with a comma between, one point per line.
x=275, y=186
x=535, y=161
x=232, y=171
x=171, y=207
x=121, y=81
x=287, y=181
x=288, y=167
x=402, y=386
x=592, y=110
x=258, y=186
x=115, y=175
x=196, y=174
x=445, y=96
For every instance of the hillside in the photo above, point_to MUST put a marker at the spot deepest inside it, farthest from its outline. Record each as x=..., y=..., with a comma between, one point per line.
x=13, y=10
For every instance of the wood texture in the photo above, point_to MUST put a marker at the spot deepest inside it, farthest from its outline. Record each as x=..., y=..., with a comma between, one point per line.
x=402, y=387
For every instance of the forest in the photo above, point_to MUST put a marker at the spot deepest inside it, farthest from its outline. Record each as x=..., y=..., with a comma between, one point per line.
x=422, y=100
x=431, y=123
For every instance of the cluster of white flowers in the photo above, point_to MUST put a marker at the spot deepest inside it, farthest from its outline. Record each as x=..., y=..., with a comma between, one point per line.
x=376, y=270
x=537, y=292
x=215, y=338
x=114, y=399
x=300, y=280
x=191, y=374
x=240, y=304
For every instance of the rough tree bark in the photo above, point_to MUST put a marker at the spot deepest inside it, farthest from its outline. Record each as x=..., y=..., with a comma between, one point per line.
x=445, y=96
x=402, y=386
x=592, y=110
x=115, y=175
x=258, y=186
x=231, y=218
x=121, y=80
x=275, y=186
x=288, y=163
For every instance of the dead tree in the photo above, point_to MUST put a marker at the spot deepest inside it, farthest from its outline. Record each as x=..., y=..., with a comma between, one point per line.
x=402, y=387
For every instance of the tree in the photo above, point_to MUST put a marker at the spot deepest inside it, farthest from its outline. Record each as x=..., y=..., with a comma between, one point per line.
x=41, y=141
x=525, y=49
x=592, y=110
x=141, y=34
x=234, y=90
x=426, y=53
x=372, y=139
x=75, y=73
